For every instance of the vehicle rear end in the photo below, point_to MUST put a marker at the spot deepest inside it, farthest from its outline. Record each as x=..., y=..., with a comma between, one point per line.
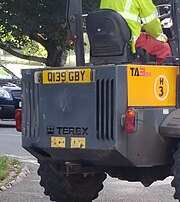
x=10, y=100
x=101, y=116
x=10, y=93
x=86, y=121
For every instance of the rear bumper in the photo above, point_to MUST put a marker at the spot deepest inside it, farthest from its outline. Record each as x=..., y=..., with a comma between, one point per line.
x=7, y=111
x=84, y=157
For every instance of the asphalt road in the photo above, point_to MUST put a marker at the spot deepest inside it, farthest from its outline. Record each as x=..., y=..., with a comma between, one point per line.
x=114, y=190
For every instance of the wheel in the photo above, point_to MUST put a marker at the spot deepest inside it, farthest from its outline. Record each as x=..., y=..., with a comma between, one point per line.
x=73, y=188
x=176, y=173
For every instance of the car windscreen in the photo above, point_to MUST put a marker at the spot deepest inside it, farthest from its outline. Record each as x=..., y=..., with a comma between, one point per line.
x=4, y=74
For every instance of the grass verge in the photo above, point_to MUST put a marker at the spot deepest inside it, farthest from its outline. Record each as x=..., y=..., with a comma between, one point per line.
x=9, y=168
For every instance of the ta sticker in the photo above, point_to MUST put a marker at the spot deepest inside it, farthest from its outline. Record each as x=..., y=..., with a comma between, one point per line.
x=161, y=87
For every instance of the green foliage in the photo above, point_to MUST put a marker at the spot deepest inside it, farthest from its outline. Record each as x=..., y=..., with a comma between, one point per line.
x=3, y=167
x=14, y=162
x=7, y=165
x=23, y=22
x=35, y=49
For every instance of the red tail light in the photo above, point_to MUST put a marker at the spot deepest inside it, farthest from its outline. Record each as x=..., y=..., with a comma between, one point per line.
x=130, y=121
x=18, y=120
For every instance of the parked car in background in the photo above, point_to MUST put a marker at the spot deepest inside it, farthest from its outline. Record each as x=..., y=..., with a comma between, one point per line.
x=10, y=93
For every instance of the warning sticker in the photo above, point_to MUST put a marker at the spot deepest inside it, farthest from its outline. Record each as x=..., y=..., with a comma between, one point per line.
x=78, y=143
x=58, y=142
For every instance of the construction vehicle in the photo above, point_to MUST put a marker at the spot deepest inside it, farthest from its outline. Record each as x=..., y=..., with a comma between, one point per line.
x=111, y=116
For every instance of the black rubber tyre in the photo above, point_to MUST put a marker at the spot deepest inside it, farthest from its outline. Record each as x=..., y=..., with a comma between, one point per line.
x=73, y=188
x=176, y=173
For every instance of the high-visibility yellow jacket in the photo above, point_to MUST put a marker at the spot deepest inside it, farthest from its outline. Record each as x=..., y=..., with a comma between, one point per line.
x=137, y=13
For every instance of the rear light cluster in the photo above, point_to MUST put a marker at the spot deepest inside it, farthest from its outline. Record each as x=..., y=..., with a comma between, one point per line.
x=18, y=119
x=130, y=120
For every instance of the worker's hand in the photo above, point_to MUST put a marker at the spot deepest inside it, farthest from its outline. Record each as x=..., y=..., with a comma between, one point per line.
x=165, y=37
x=162, y=38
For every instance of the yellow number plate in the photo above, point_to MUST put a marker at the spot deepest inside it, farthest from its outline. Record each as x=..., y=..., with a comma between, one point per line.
x=78, y=143
x=58, y=142
x=67, y=76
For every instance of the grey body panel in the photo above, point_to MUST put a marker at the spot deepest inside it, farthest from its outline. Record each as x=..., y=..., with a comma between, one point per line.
x=170, y=127
x=98, y=106
x=147, y=146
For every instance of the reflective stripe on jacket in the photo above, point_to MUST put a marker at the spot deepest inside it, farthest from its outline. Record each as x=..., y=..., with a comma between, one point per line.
x=137, y=13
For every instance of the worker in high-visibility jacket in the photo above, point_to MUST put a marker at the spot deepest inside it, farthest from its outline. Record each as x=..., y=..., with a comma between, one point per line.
x=138, y=14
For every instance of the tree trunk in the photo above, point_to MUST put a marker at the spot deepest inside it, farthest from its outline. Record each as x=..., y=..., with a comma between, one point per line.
x=56, y=56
